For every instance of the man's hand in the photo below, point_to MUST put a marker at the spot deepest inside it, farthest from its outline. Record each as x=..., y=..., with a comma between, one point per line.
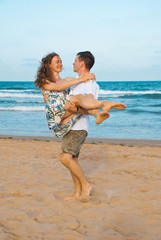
x=70, y=106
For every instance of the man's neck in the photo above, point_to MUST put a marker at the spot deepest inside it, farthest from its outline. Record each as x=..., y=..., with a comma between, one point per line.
x=83, y=72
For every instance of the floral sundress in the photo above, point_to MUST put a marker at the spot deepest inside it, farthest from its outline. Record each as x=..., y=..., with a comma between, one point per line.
x=55, y=110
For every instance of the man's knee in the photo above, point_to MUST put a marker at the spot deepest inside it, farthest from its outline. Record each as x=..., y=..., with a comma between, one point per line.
x=65, y=159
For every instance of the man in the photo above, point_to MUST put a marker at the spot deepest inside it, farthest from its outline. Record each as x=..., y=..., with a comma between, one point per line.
x=74, y=139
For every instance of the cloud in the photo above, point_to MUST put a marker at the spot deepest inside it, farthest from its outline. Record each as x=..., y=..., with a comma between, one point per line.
x=30, y=62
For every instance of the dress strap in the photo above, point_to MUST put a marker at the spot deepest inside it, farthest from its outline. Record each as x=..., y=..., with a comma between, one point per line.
x=46, y=93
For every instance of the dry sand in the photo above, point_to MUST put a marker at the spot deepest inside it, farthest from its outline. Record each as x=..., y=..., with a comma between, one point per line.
x=125, y=203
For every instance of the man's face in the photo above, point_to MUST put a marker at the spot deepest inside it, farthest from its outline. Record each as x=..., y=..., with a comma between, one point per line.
x=76, y=64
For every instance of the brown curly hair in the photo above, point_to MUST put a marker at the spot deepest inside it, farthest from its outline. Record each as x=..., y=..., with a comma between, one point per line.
x=44, y=73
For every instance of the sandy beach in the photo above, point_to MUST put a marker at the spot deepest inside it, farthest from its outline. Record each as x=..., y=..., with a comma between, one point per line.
x=125, y=203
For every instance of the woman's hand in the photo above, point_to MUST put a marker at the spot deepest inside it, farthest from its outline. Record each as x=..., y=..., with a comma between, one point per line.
x=88, y=77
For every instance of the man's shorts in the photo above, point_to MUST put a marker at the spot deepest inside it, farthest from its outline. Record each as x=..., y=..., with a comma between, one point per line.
x=73, y=141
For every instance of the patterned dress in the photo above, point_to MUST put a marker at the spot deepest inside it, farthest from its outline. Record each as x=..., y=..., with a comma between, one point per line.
x=55, y=110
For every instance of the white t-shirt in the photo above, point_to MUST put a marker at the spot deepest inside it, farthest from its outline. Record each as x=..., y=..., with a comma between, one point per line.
x=84, y=88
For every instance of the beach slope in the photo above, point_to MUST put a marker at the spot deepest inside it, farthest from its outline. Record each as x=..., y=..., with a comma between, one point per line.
x=125, y=203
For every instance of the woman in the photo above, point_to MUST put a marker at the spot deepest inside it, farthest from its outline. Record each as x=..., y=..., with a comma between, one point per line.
x=59, y=119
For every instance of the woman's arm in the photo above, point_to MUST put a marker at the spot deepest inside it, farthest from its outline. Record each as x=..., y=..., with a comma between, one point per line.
x=68, y=82
x=44, y=96
x=42, y=91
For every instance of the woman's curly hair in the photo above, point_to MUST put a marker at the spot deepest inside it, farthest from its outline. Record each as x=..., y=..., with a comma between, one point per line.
x=44, y=73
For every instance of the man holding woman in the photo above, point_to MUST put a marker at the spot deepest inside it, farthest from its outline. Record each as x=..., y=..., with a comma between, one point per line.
x=63, y=111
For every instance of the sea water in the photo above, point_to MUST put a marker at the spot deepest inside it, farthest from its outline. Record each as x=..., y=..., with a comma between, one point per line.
x=22, y=110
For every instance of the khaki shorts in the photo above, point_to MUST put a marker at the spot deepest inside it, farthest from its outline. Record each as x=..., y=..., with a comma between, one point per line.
x=73, y=141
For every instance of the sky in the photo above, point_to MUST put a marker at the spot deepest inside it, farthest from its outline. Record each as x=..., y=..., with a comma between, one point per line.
x=123, y=35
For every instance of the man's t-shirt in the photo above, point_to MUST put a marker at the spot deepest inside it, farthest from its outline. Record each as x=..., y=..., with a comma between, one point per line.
x=84, y=88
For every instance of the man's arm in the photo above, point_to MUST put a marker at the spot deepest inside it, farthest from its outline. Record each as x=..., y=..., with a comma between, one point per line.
x=71, y=107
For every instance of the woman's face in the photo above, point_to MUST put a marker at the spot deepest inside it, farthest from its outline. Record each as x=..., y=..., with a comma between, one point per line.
x=56, y=64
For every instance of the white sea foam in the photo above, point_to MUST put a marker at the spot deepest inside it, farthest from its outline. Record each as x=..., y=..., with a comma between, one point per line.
x=30, y=101
x=19, y=95
x=16, y=90
x=31, y=94
x=23, y=109
x=122, y=93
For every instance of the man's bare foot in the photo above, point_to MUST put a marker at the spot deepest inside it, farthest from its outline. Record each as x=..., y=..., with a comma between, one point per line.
x=101, y=117
x=112, y=105
x=74, y=197
x=86, y=194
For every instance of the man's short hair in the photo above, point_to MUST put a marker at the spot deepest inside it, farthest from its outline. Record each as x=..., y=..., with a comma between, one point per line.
x=88, y=59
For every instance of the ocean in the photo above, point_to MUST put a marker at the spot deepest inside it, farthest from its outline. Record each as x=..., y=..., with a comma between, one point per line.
x=22, y=110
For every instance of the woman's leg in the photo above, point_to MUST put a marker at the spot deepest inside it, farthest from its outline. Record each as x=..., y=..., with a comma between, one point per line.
x=89, y=106
x=99, y=115
x=67, y=116
x=87, y=102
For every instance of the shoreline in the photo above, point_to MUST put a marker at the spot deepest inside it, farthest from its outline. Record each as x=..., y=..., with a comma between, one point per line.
x=110, y=141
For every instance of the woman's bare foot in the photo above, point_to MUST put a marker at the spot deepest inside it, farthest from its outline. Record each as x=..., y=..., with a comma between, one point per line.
x=112, y=105
x=101, y=117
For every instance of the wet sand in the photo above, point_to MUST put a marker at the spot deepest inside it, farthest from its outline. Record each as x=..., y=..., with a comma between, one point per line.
x=125, y=203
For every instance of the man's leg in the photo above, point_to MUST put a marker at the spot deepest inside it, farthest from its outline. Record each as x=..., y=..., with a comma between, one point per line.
x=77, y=184
x=81, y=184
x=71, y=145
